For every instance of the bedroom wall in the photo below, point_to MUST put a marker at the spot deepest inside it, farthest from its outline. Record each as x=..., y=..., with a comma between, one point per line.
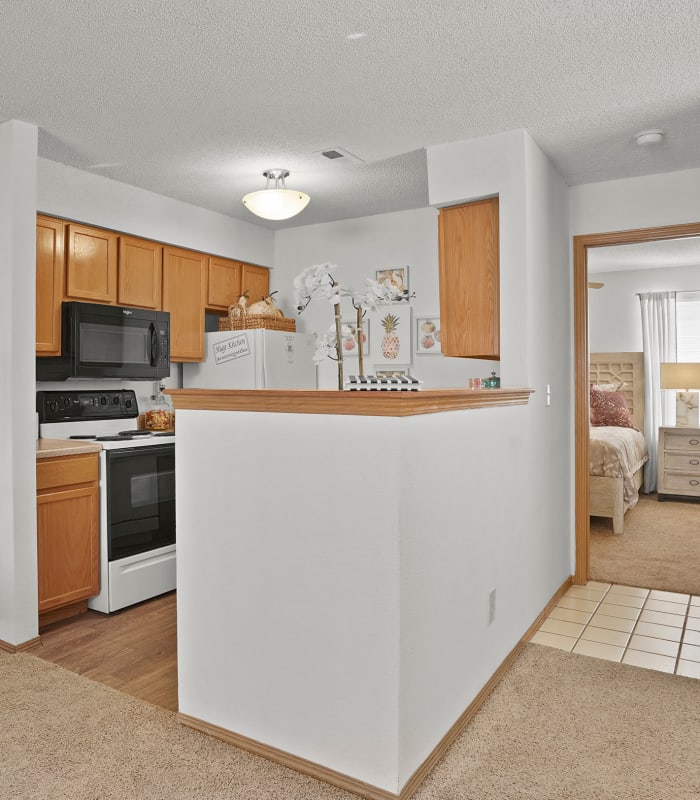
x=614, y=317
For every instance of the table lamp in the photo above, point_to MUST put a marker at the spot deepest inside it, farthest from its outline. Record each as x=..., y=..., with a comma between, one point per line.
x=683, y=378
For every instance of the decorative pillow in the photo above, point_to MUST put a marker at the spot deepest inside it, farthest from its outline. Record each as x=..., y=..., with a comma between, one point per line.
x=610, y=408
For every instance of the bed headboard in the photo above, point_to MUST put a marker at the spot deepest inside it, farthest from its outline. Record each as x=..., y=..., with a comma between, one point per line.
x=625, y=367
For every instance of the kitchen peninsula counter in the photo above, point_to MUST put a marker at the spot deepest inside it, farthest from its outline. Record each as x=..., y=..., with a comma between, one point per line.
x=334, y=567
x=390, y=403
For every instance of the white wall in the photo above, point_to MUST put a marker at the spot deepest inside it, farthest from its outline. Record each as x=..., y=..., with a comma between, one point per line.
x=527, y=555
x=18, y=575
x=73, y=194
x=670, y=198
x=360, y=247
x=614, y=317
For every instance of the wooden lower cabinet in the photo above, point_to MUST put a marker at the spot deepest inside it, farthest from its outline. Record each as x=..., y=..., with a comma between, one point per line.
x=68, y=544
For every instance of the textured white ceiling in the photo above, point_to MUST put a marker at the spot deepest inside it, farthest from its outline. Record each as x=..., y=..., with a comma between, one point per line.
x=645, y=255
x=195, y=99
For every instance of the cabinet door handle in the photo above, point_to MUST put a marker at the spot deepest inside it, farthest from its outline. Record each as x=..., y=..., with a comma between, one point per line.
x=693, y=482
x=694, y=441
x=694, y=461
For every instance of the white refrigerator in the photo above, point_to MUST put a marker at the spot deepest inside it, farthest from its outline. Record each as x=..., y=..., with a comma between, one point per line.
x=254, y=359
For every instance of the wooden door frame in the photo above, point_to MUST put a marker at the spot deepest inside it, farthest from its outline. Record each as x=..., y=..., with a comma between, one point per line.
x=581, y=412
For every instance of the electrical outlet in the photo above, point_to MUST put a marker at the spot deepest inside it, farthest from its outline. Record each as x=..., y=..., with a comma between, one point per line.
x=492, y=605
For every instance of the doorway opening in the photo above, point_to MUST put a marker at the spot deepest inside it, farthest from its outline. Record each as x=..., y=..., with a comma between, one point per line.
x=581, y=369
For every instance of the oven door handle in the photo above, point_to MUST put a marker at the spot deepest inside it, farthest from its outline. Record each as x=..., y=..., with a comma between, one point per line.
x=155, y=345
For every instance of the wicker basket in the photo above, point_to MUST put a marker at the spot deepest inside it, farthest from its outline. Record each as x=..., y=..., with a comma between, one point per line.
x=246, y=321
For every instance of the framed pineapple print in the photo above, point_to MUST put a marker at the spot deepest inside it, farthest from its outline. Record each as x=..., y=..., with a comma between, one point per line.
x=391, y=335
x=428, y=335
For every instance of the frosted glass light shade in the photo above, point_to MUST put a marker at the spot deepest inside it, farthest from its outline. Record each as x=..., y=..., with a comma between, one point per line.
x=680, y=376
x=276, y=203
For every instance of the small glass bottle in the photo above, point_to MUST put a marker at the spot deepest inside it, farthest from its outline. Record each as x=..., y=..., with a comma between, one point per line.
x=159, y=415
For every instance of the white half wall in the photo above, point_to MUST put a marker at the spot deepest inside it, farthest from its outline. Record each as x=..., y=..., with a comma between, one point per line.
x=77, y=195
x=18, y=569
x=360, y=247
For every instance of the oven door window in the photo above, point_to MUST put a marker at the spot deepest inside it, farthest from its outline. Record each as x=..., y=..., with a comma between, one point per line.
x=140, y=499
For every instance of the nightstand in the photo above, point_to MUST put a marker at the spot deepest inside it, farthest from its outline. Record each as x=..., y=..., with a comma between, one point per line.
x=679, y=462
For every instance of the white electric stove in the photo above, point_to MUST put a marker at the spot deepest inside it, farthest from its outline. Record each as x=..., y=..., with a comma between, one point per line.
x=137, y=490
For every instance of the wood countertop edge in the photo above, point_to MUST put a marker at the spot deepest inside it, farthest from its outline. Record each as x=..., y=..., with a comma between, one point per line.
x=358, y=403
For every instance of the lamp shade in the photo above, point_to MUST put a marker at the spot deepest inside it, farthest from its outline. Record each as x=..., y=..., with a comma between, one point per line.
x=278, y=202
x=680, y=376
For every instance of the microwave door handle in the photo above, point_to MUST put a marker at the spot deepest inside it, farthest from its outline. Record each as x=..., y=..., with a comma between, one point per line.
x=155, y=345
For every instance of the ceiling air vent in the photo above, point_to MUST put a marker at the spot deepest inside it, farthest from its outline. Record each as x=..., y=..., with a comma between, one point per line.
x=339, y=154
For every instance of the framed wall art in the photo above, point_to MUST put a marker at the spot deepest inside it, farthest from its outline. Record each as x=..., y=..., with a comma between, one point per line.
x=391, y=335
x=428, y=335
x=350, y=346
x=396, y=278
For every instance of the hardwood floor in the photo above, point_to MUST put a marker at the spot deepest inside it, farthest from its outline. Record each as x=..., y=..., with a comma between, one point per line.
x=133, y=650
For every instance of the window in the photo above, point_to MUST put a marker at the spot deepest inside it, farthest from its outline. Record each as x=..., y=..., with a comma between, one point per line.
x=688, y=326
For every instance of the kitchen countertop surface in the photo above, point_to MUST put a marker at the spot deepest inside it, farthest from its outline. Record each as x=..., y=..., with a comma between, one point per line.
x=49, y=448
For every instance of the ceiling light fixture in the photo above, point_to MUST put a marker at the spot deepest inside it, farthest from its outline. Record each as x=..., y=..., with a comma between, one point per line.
x=649, y=137
x=278, y=202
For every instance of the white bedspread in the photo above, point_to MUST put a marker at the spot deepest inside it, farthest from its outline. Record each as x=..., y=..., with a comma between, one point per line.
x=618, y=452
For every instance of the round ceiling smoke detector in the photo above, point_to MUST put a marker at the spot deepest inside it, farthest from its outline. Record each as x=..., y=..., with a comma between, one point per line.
x=649, y=137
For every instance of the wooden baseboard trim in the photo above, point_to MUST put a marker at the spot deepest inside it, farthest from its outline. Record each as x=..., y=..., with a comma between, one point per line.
x=20, y=648
x=289, y=760
x=47, y=618
x=354, y=785
x=443, y=745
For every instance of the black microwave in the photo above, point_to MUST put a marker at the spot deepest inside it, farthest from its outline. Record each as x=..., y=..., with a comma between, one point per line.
x=109, y=342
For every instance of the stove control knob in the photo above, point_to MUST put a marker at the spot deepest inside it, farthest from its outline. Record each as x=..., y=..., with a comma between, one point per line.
x=103, y=401
x=127, y=403
x=53, y=406
x=115, y=400
x=65, y=401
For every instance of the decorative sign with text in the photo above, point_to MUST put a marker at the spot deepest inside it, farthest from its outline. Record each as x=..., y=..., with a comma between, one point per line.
x=230, y=349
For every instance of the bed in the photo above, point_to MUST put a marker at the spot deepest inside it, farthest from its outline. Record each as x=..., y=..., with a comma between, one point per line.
x=617, y=455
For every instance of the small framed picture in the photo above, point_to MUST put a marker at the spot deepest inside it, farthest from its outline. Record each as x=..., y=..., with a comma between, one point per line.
x=349, y=344
x=428, y=335
x=391, y=335
x=398, y=372
x=396, y=278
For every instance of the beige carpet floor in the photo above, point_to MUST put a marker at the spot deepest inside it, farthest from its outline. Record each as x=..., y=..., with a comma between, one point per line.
x=558, y=726
x=659, y=549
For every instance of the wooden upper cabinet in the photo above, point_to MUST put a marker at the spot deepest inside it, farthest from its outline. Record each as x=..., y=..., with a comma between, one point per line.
x=184, y=296
x=49, y=285
x=469, y=280
x=255, y=281
x=224, y=283
x=91, y=264
x=140, y=274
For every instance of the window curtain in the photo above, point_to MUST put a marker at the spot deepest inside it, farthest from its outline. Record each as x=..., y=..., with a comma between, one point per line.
x=659, y=344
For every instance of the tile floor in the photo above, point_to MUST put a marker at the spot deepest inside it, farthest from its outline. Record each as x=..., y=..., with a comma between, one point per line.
x=643, y=627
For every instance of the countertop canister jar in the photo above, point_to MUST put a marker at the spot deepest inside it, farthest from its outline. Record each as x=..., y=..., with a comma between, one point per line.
x=159, y=415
